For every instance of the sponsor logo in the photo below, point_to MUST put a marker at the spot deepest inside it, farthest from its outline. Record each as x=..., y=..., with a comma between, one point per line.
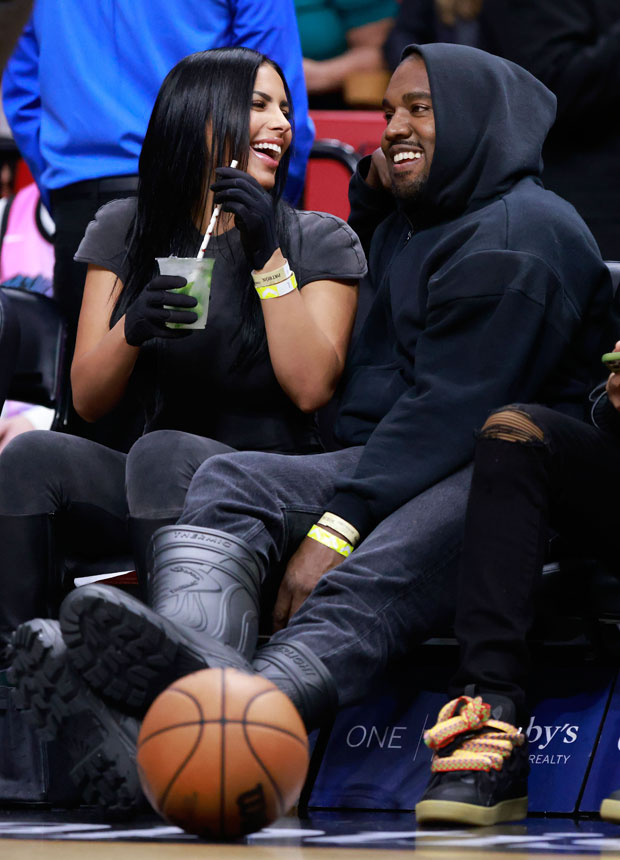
x=389, y=737
x=540, y=737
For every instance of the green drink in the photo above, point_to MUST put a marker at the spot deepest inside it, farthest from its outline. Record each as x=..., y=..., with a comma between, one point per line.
x=198, y=275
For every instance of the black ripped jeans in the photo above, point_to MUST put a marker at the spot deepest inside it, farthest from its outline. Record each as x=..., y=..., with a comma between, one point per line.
x=569, y=483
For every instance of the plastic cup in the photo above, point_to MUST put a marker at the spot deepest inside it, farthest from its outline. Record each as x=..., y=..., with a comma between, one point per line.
x=198, y=275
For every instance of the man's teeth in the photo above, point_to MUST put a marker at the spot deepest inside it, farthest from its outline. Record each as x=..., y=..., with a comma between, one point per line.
x=273, y=146
x=406, y=156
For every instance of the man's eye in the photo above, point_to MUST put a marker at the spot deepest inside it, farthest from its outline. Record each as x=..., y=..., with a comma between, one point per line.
x=418, y=108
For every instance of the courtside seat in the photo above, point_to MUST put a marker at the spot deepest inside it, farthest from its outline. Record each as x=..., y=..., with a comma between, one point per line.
x=38, y=365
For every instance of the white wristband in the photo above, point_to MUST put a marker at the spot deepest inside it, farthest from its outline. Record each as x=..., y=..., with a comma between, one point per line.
x=276, y=276
x=279, y=289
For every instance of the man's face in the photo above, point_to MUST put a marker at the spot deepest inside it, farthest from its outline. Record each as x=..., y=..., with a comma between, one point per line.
x=408, y=141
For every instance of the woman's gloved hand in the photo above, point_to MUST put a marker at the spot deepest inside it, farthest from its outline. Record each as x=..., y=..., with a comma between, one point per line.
x=239, y=193
x=146, y=317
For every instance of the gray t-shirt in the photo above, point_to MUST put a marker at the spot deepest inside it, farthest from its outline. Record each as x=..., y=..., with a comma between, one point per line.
x=197, y=383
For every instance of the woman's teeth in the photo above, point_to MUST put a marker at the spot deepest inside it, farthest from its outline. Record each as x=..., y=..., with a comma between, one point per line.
x=406, y=156
x=269, y=146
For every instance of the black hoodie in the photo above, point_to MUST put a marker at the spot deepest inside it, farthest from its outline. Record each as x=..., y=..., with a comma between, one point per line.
x=497, y=295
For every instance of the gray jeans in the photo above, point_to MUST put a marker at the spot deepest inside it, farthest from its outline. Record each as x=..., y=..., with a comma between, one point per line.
x=390, y=594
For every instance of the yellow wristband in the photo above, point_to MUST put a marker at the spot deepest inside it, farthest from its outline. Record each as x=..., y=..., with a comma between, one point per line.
x=276, y=276
x=279, y=289
x=327, y=539
x=341, y=526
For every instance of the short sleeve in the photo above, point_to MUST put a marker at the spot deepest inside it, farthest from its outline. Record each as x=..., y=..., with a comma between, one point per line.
x=329, y=250
x=105, y=241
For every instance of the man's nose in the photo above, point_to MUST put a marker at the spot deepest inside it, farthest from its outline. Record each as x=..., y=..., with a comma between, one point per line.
x=399, y=126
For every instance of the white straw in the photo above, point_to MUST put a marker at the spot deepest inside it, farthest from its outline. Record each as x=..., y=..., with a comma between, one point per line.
x=211, y=227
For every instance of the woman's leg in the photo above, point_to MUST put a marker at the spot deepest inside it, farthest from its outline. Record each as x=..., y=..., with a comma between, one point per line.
x=53, y=482
x=160, y=467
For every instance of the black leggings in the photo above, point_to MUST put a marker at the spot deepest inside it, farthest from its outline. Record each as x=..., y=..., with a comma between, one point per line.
x=566, y=482
x=92, y=490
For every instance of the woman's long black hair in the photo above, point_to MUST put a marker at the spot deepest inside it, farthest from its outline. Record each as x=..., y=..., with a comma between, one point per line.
x=207, y=95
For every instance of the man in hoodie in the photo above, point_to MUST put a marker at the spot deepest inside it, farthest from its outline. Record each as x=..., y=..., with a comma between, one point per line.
x=488, y=289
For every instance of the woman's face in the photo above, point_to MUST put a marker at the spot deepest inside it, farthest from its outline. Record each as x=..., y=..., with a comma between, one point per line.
x=270, y=130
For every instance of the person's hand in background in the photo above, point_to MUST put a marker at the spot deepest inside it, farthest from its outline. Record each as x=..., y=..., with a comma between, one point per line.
x=613, y=384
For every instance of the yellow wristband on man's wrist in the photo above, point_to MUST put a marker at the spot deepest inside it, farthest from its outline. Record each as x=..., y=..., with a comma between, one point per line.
x=327, y=539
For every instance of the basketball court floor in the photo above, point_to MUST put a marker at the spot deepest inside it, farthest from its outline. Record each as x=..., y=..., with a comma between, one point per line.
x=47, y=835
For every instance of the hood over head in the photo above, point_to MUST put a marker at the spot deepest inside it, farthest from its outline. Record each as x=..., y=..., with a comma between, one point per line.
x=491, y=120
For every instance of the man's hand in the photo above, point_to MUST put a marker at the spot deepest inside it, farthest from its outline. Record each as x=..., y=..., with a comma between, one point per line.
x=303, y=571
x=378, y=175
x=613, y=384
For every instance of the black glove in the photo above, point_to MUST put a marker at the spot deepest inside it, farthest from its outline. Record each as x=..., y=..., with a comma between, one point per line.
x=239, y=193
x=146, y=317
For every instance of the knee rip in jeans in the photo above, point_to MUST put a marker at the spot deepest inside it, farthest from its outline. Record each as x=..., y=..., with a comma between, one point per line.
x=512, y=425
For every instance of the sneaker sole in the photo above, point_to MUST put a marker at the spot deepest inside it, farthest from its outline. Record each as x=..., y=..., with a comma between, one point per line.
x=59, y=706
x=130, y=653
x=610, y=810
x=470, y=813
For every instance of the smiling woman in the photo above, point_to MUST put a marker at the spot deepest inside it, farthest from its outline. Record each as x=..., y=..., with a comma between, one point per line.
x=281, y=309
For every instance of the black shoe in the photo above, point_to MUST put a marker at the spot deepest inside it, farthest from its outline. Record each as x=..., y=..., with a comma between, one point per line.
x=100, y=743
x=480, y=766
x=130, y=653
x=610, y=807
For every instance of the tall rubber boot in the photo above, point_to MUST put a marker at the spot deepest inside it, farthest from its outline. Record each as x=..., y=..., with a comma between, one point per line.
x=27, y=573
x=208, y=581
x=98, y=742
x=300, y=674
x=204, y=604
x=141, y=531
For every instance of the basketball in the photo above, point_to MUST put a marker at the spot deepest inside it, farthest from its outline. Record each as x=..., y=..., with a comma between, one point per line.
x=222, y=753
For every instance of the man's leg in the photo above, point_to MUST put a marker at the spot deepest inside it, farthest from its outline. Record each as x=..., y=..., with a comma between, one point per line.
x=244, y=514
x=390, y=594
x=562, y=473
x=534, y=467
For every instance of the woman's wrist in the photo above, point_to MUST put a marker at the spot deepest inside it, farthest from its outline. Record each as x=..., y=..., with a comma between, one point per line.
x=273, y=283
x=276, y=260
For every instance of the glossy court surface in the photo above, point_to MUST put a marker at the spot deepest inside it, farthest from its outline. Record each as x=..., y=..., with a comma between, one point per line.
x=28, y=835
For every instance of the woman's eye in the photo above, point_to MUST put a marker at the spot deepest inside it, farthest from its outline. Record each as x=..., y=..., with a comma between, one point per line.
x=258, y=104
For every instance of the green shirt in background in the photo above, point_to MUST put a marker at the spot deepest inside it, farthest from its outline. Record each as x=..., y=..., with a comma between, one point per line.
x=323, y=24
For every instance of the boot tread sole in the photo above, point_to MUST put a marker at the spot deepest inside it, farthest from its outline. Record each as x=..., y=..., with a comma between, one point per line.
x=127, y=651
x=59, y=706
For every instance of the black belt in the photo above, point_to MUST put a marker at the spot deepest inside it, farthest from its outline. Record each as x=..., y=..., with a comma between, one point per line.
x=107, y=184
